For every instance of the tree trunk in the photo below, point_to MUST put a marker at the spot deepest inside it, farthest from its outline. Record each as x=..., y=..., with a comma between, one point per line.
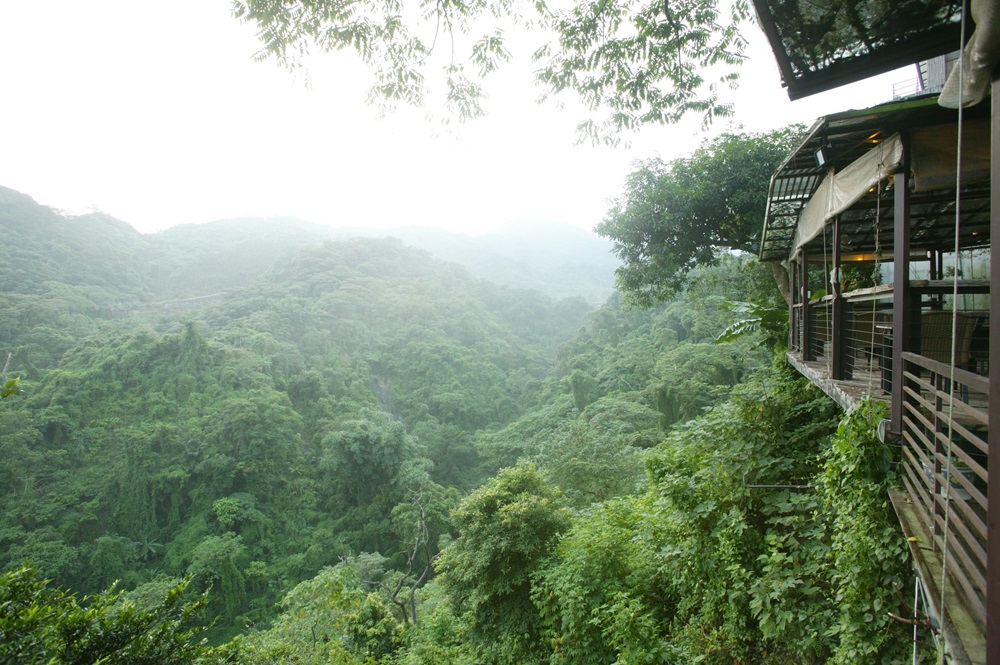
x=781, y=277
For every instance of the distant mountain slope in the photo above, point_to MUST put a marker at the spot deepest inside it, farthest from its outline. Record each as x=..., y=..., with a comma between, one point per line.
x=556, y=259
x=41, y=245
x=97, y=254
x=199, y=259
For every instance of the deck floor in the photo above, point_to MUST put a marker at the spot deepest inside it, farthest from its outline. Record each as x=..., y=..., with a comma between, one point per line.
x=865, y=380
x=848, y=392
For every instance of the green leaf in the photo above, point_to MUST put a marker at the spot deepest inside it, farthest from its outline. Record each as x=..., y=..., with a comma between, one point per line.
x=10, y=387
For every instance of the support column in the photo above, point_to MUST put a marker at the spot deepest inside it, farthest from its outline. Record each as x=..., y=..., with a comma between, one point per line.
x=993, y=489
x=902, y=314
x=807, y=347
x=794, y=320
x=838, y=371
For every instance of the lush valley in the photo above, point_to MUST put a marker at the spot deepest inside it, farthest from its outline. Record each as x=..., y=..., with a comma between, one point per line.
x=368, y=455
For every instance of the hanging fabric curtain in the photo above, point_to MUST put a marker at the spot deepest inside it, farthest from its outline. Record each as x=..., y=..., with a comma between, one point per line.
x=839, y=191
x=932, y=162
x=979, y=57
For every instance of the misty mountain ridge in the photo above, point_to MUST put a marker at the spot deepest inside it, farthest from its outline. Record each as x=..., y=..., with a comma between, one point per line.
x=190, y=260
x=553, y=258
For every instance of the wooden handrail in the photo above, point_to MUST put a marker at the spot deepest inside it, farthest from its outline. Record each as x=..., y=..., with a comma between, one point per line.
x=920, y=286
x=947, y=285
x=866, y=294
x=965, y=377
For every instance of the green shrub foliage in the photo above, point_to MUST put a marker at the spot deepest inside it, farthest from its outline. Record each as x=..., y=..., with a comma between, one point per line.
x=42, y=624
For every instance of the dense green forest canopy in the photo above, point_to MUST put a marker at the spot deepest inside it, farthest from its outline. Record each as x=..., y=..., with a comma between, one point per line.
x=362, y=454
x=273, y=427
x=678, y=215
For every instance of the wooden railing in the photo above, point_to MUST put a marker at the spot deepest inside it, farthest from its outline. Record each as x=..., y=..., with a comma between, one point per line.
x=942, y=405
x=795, y=328
x=866, y=321
x=863, y=333
x=820, y=329
x=867, y=340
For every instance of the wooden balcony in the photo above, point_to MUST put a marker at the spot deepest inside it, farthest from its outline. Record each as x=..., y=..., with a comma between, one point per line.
x=863, y=341
x=887, y=300
x=943, y=435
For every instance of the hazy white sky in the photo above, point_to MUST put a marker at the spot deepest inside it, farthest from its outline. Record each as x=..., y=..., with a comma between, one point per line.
x=156, y=113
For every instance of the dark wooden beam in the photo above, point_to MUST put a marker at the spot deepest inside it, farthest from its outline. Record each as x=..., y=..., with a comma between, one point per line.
x=837, y=369
x=993, y=489
x=807, y=350
x=794, y=321
x=902, y=311
x=770, y=28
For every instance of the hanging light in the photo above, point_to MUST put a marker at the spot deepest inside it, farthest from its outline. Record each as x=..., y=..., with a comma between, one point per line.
x=824, y=155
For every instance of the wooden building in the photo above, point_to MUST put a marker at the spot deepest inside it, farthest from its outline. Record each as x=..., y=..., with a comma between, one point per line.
x=883, y=218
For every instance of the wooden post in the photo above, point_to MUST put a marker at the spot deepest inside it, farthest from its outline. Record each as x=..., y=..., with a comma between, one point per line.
x=807, y=350
x=993, y=489
x=837, y=328
x=902, y=313
x=794, y=321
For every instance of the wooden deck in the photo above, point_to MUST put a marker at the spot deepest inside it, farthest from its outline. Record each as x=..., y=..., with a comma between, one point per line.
x=845, y=393
x=961, y=628
x=866, y=380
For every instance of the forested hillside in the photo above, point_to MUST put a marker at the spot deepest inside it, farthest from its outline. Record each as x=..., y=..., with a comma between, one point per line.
x=366, y=455
x=260, y=436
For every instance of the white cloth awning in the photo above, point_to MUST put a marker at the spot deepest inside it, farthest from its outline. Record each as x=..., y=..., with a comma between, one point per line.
x=839, y=191
x=933, y=158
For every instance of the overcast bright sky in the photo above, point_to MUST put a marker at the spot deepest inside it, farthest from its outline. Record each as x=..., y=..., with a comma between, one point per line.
x=157, y=114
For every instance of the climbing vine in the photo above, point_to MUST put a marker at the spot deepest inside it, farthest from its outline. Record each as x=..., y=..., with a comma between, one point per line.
x=868, y=561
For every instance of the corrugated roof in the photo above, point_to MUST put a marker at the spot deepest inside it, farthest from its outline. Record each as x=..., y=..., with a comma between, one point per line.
x=845, y=137
x=822, y=44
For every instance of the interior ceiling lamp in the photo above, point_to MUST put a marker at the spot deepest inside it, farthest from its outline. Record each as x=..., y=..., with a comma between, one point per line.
x=824, y=155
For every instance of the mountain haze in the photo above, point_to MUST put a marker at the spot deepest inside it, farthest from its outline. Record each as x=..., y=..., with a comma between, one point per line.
x=247, y=401
x=197, y=259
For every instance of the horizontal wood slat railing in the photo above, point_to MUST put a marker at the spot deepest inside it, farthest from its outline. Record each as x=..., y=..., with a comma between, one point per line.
x=972, y=380
x=943, y=410
x=928, y=396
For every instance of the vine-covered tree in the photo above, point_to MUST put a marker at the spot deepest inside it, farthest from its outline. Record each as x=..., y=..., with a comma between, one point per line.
x=631, y=62
x=508, y=527
x=675, y=215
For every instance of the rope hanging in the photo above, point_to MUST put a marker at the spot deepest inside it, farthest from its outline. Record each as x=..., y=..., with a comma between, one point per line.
x=916, y=614
x=877, y=270
x=949, y=470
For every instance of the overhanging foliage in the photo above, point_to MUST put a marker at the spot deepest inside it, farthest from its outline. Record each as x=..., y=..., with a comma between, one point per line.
x=631, y=62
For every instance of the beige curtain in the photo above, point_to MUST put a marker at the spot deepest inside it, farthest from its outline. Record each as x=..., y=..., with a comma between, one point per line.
x=839, y=191
x=979, y=57
x=932, y=162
